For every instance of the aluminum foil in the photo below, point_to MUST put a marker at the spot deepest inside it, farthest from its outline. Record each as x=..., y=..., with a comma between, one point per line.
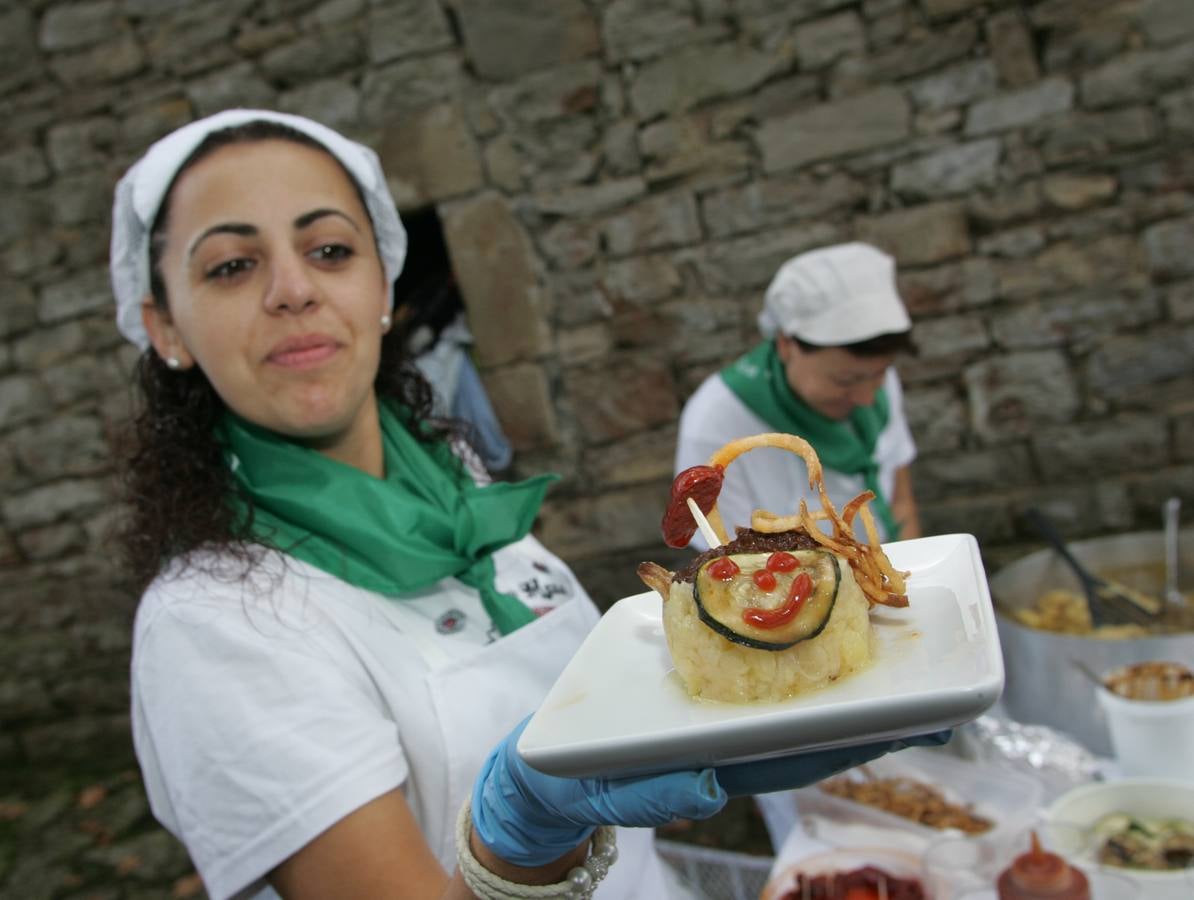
x=1057, y=761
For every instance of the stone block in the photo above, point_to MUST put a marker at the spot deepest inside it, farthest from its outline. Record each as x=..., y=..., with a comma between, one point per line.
x=643, y=457
x=947, y=288
x=105, y=63
x=1138, y=77
x=546, y=96
x=197, y=40
x=503, y=166
x=22, y=398
x=521, y=399
x=640, y=279
x=923, y=50
x=237, y=85
x=1011, y=48
x=1166, y=21
x=42, y=349
x=992, y=209
x=697, y=329
x=682, y=146
x=79, y=294
x=957, y=85
x=432, y=155
x=495, y=267
x=1075, y=320
x=951, y=336
x=48, y=503
x=861, y=122
x=18, y=308
x=577, y=299
x=584, y=201
x=641, y=29
x=1013, y=243
x=1183, y=437
x=1075, y=191
x=51, y=541
x=66, y=444
x=1169, y=245
x=78, y=25
x=953, y=170
x=824, y=41
x=1150, y=489
x=569, y=244
x=1093, y=449
x=692, y=75
x=666, y=220
x=1017, y=109
x=624, y=395
x=327, y=100
x=989, y=518
x=1128, y=366
x=23, y=166
x=1179, y=300
x=584, y=343
x=936, y=417
x=1090, y=137
x=81, y=740
x=586, y=527
x=400, y=87
x=750, y=262
x=313, y=55
x=973, y=472
x=405, y=28
x=82, y=377
x=505, y=40
x=771, y=202
x=81, y=144
x=1081, y=510
x=919, y=235
x=1070, y=265
x=1012, y=395
x=1178, y=110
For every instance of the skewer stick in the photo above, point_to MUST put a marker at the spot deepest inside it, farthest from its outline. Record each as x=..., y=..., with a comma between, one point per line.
x=707, y=531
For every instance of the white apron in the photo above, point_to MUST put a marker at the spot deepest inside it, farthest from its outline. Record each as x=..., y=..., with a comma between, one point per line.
x=474, y=717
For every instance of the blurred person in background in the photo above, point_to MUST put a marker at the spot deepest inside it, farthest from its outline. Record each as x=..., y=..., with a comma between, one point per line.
x=833, y=325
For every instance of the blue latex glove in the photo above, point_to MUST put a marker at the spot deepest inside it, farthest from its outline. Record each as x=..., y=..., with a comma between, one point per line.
x=530, y=819
x=787, y=772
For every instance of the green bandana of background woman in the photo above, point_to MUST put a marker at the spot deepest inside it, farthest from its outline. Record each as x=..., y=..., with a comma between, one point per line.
x=759, y=381
x=426, y=520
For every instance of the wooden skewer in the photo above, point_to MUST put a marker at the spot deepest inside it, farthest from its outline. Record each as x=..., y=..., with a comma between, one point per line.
x=707, y=531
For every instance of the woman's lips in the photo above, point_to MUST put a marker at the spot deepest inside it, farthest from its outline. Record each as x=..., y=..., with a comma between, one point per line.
x=303, y=352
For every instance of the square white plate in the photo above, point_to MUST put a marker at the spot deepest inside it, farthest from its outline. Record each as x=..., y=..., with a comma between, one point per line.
x=619, y=708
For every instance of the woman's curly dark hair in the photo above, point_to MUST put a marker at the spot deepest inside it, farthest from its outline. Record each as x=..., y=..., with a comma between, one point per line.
x=175, y=479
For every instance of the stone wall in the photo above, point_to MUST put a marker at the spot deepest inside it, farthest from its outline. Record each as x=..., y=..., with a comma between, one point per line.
x=617, y=182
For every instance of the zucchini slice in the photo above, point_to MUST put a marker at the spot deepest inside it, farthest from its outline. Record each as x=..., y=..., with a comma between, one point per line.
x=721, y=604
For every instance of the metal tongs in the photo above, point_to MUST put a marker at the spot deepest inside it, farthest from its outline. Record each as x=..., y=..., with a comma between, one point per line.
x=1110, y=602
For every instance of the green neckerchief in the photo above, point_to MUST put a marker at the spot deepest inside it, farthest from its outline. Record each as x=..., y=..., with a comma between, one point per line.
x=425, y=520
x=758, y=379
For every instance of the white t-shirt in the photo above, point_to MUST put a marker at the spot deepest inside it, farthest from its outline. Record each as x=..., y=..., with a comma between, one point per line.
x=266, y=709
x=773, y=479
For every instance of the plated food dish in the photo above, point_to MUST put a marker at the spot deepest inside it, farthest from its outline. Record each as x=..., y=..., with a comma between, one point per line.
x=619, y=706
x=864, y=873
x=783, y=607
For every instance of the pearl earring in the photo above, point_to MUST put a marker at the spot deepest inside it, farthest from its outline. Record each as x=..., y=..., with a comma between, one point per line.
x=172, y=362
x=385, y=321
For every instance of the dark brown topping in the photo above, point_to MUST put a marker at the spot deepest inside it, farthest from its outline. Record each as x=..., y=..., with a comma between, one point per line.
x=748, y=541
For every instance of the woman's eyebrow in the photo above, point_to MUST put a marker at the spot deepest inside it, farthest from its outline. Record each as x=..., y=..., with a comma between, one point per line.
x=238, y=228
x=307, y=218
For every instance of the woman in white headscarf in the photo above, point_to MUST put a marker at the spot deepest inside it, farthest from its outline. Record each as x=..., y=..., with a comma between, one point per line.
x=343, y=622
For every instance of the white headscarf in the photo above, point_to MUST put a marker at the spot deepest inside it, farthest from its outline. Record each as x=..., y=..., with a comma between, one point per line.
x=140, y=192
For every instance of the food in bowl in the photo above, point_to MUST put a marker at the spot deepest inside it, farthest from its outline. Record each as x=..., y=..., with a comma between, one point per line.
x=1066, y=612
x=865, y=883
x=781, y=609
x=1152, y=681
x=1145, y=843
x=908, y=798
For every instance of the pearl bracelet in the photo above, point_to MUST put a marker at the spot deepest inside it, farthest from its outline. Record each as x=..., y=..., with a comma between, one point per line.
x=578, y=885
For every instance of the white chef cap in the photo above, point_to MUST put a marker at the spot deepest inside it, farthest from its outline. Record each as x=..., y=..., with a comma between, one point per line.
x=835, y=296
x=140, y=192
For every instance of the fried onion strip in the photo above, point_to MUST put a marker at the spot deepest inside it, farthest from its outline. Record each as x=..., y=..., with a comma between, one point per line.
x=797, y=445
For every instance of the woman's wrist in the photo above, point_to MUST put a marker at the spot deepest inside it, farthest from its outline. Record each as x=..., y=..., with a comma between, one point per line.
x=573, y=876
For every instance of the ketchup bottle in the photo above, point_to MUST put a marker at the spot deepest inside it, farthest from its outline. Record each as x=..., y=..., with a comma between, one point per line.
x=1039, y=875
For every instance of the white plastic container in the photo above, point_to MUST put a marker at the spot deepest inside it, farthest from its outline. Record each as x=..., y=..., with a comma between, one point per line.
x=1008, y=798
x=1151, y=738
